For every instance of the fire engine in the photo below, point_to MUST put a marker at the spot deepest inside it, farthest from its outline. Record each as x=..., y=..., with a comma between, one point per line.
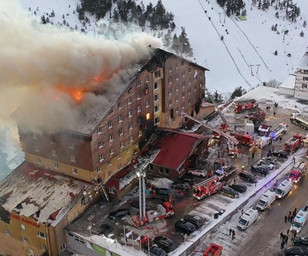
x=279, y=131
x=242, y=105
x=213, y=250
x=297, y=172
x=294, y=143
x=243, y=138
x=207, y=187
x=256, y=116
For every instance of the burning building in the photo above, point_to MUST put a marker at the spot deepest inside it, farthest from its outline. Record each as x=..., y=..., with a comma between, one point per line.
x=84, y=152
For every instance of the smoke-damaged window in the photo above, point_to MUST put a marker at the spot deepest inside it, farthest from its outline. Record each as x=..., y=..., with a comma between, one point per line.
x=36, y=148
x=72, y=158
x=157, y=74
x=156, y=121
x=99, y=129
x=138, y=108
x=101, y=158
x=53, y=153
x=129, y=100
x=147, y=104
x=120, y=105
x=121, y=132
x=109, y=124
x=100, y=144
x=155, y=86
x=156, y=108
x=120, y=118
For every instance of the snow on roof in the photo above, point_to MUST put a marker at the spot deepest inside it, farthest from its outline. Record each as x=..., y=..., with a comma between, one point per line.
x=289, y=82
x=38, y=193
x=303, y=63
x=175, y=148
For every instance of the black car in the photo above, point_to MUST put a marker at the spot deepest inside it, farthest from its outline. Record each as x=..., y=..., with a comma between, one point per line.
x=296, y=251
x=229, y=192
x=163, y=193
x=301, y=241
x=155, y=251
x=119, y=214
x=164, y=242
x=260, y=169
x=135, y=204
x=106, y=230
x=281, y=154
x=247, y=177
x=181, y=186
x=184, y=227
x=239, y=187
x=195, y=220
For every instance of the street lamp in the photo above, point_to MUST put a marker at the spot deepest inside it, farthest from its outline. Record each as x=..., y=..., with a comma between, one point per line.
x=141, y=175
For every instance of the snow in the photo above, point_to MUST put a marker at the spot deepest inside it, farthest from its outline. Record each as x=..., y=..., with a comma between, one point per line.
x=303, y=64
x=289, y=82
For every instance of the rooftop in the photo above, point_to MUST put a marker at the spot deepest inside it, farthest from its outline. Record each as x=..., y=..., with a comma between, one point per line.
x=303, y=63
x=38, y=193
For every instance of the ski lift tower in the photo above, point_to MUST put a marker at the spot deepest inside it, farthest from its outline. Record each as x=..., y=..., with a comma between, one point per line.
x=141, y=175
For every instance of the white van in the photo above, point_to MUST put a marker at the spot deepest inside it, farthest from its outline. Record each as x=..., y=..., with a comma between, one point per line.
x=249, y=217
x=299, y=220
x=266, y=200
x=284, y=188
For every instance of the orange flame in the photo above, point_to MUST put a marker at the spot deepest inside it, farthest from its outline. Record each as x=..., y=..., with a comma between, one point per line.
x=75, y=93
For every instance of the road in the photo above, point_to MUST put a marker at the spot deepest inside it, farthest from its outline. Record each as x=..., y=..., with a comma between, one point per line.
x=265, y=240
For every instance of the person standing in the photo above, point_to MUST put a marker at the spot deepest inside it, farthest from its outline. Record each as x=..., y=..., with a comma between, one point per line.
x=233, y=234
x=230, y=231
x=285, y=219
x=286, y=238
x=282, y=244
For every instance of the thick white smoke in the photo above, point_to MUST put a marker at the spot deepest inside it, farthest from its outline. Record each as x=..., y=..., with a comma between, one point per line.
x=35, y=59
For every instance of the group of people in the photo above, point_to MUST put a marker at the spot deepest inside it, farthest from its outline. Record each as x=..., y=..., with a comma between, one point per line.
x=284, y=239
x=290, y=216
x=232, y=233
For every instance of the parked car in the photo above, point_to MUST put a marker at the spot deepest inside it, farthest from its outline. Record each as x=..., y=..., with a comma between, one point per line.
x=163, y=193
x=106, y=230
x=247, y=177
x=184, y=227
x=119, y=214
x=164, y=242
x=296, y=251
x=269, y=165
x=135, y=204
x=195, y=220
x=229, y=192
x=281, y=154
x=241, y=188
x=185, y=180
x=197, y=172
x=260, y=169
x=270, y=161
x=181, y=186
x=301, y=241
x=155, y=251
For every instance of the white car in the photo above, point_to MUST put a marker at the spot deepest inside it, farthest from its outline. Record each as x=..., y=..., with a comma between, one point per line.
x=197, y=172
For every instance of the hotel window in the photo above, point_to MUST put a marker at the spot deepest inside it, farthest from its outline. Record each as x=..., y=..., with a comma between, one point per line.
x=22, y=227
x=131, y=139
x=121, y=144
x=56, y=165
x=177, y=99
x=156, y=108
x=111, y=151
x=100, y=144
x=147, y=79
x=25, y=239
x=170, y=91
x=36, y=148
x=98, y=169
x=120, y=105
x=177, y=110
x=130, y=100
x=177, y=77
x=157, y=74
x=74, y=170
x=72, y=158
x=53, y=153
x=156, y=97
x=138, y=96
x=170, y=68
x=170, y=80
x=111, y=138
x=41, y=234
x=7, y=232
x=130, y=126
x=304, y=85
x=99, y=129
x=189, y=91
x=138, y=82
x=170, y=103
x=183, y=84
x=155, y=86
x=189, y=70
x=109, y=124
x=156, y=121
x=101, y=158
x=183, y=73
x=121, y=132
x=120, y=118
x=130, y=113
x=71, y=144
x=189, y=80
x=147, y=104
x=139, y=109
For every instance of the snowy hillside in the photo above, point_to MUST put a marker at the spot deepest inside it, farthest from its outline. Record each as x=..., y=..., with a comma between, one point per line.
x=243, y=58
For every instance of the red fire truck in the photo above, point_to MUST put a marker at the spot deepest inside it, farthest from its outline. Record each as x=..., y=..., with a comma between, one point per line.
x=213, y=250
x=242, y=105
x=243, y=138
x=294, y=143
x=297, y=172
x=207, y=187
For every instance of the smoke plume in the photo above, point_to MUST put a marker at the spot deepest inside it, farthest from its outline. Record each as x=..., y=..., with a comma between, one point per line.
x=37, y=60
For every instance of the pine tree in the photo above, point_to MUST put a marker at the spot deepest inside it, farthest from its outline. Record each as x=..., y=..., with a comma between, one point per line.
x=175, y=44
x=185, y=47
